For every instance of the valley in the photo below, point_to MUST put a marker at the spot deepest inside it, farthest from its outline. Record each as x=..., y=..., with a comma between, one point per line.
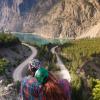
x=63, y=34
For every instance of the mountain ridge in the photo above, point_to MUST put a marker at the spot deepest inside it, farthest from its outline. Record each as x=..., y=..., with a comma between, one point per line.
x=50, y=18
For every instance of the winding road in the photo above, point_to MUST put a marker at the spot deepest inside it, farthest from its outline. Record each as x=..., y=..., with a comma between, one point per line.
x=63, y=73
x=17, y=74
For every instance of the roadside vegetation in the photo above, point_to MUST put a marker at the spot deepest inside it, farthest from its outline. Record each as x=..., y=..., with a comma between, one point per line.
x=7, y=40
x=82, y=59
x=96, y=90
x=18, y=53
x=3, y=65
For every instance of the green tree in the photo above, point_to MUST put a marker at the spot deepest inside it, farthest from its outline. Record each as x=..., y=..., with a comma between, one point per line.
x=96, y=91
x=7, y=40
x=3, y=64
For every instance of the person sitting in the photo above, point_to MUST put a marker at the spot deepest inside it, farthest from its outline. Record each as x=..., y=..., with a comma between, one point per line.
x=52, y=90
x=33, y=65
x=63, y=83
x=41, y=87
x=30, y=81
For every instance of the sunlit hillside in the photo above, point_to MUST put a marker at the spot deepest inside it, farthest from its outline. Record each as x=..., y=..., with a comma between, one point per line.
x=82, y=58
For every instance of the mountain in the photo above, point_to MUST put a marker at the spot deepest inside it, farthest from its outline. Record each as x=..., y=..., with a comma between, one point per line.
x=50, y=18
x=14, y=12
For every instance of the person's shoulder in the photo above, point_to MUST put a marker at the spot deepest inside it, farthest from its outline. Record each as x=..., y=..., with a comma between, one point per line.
x=28, y=79
x=64, y=83
x=32, y=80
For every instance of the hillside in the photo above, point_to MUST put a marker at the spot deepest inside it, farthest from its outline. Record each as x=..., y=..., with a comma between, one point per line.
x=15, y=54
x=82, y=58
x=92, y=32
x=50, y=18
x=12, y=53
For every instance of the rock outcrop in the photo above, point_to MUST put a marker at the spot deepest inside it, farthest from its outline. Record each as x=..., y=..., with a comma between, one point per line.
x=8, y=92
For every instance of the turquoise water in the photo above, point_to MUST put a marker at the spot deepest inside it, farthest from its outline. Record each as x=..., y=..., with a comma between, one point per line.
x=31, y=38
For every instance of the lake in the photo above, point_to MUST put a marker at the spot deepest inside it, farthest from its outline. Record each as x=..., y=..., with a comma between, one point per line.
x=31, y=38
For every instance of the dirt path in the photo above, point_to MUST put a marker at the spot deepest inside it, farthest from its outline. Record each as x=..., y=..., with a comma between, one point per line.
x=17, y=74
x=63, y=73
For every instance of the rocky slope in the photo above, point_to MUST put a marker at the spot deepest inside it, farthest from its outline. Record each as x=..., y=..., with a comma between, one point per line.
x=49, y=18
x=14, y=55
x=9, y=92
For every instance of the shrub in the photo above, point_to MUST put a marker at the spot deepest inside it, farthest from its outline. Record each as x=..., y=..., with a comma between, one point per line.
x=76, y=88
x=7, y=40
x=96, y=91
x=3, y=64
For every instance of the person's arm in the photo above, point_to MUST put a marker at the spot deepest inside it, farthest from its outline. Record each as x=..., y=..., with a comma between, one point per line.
x=65, y=85
x=22, y=89
x=21, y=92
x=52, y=77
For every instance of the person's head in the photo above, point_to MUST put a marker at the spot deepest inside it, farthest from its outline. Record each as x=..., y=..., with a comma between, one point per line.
x=51, y=89
x=33, y=66
x=41, y=75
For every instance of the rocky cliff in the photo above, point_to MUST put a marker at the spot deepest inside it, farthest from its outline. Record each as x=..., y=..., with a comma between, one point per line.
x=49, y=18
x=69, y=18
x=13, y=13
